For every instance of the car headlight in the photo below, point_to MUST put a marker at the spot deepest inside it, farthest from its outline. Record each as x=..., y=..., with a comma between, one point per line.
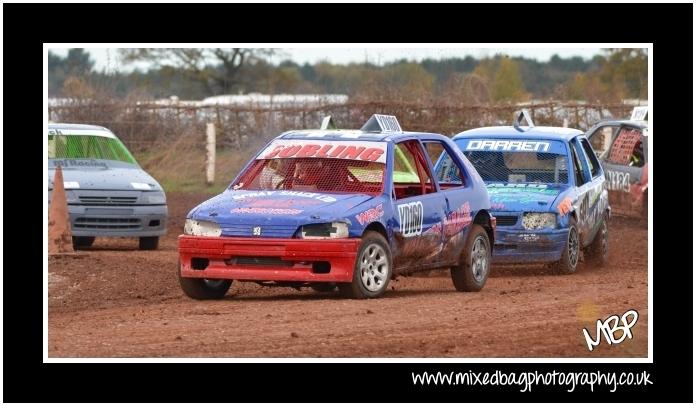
x=325, y=230
x=155, y=198
x=534, y=221
x=202, y=228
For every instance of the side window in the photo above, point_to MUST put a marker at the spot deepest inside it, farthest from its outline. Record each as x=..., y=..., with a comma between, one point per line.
x=410, y=174
x=591, y=159
x=579, y=172
x=447, y=173
x=601, y=139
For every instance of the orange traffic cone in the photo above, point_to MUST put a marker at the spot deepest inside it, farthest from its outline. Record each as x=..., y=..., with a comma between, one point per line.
x=59, y=235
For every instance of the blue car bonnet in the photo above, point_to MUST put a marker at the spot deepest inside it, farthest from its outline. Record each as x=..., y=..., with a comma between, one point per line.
x=278, y=212
x=524, y=196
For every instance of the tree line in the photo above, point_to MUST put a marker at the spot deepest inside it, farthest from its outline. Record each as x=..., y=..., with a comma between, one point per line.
x=196, y=73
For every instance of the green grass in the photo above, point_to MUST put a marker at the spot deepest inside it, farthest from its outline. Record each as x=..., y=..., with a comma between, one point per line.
x=182, y=169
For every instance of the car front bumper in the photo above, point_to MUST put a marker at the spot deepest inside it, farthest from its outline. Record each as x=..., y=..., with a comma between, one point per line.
x=528, y=246
x=268, y=259
x=121, y=221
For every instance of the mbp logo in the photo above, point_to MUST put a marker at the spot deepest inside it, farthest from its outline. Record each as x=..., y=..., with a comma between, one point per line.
x=609, y=327
x=411, y=219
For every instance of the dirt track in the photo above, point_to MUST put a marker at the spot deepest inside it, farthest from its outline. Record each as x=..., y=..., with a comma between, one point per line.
x=116, y=301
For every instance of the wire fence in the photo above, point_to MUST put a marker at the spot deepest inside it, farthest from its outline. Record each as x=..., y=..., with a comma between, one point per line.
x=144, y=125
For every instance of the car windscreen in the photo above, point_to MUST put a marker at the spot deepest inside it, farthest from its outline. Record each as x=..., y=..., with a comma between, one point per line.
x=517, y=161
x=88, y=147
x=317, y=166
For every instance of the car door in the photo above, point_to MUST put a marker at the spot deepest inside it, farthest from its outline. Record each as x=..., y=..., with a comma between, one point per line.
x=456, y=188
x=592, y=196
x=625, y=160
x=419, y=209
x=602, y=139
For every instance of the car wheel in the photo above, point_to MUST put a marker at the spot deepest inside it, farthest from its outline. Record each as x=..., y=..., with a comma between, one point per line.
x=82, y=242
x=203, y=289
x=373, y=268
x=598, y=251
x=475, y=262
x=149, y=243
x=323, y=287
x=571, y=252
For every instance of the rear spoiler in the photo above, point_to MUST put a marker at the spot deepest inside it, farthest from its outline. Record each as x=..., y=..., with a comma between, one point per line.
x=639, y=113
x=517, y=119
x=379, y=123
x=382, y=124
x=327, y=123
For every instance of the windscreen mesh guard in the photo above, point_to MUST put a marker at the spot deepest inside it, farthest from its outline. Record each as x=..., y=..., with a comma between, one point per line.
x=520, y=167
x=314, y=175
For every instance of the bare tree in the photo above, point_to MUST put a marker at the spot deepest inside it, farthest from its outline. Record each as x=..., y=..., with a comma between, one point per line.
x=216, y=68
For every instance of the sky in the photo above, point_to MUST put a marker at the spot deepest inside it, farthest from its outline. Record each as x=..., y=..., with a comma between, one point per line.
x=107, y=58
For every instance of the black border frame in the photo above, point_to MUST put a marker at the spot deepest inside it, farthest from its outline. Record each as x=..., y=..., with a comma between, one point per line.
x=27, y=378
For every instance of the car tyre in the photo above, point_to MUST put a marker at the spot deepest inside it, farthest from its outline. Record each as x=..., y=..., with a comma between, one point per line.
x=149, y=243
x=571, y=252
x=203, y=289
x=471, y=273
x=598, y=251
x=82, y=242
x=373, y=268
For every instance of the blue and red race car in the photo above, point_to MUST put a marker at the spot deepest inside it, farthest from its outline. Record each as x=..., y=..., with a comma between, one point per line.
x=342, y=208
x=547, y=192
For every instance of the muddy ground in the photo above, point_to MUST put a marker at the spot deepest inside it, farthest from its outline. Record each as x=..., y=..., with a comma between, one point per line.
x=116, y=301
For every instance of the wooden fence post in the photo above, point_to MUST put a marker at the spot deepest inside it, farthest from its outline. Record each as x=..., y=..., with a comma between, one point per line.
x=210, y=154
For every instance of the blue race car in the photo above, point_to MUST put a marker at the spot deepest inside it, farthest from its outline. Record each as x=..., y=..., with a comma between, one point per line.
x=547, y=192
x=348, y=209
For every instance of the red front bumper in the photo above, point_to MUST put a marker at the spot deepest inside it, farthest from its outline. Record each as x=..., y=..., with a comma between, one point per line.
x=268, y=259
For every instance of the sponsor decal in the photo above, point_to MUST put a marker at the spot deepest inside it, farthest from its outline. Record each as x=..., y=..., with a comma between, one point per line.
x=263, y=210
x=528, y=187
x=497, y=206
x=80, y=163
x=519, y=192
x=309, y=195
x=565, y=206
x=411, y=218
x=359, y=150
x=370, y=215
x=256, y=230
x=593, y=204
x=457, y=220
x=505, y=145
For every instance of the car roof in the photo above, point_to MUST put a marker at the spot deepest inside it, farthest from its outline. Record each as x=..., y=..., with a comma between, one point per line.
x=66, y=126
x=547, y=133
x=82, y=129
x=354, y=135
x=612, y=121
